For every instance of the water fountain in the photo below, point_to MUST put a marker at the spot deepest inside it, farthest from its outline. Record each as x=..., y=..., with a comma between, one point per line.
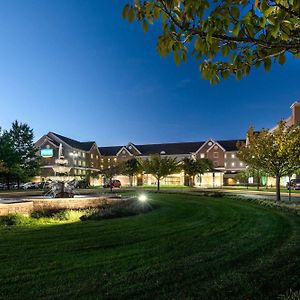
x=64, y=188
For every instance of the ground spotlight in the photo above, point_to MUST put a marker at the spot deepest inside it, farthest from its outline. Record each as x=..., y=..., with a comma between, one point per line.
x=142, y=198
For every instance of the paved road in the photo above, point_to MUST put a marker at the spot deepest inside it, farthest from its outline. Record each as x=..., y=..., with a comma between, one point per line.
x=295, y=197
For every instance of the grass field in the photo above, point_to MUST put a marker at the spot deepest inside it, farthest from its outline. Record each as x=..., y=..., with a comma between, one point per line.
x=191, y=247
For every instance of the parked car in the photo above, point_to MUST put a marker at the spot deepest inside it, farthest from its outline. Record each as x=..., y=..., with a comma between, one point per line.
x=294, y=184
x=31, y=185
x=82, y=184
x=115, y=184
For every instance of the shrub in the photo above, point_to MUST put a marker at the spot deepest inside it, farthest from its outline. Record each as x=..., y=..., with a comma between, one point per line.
x=14, y=219
x=123, y=209
x=59, y=215
x=290, y=295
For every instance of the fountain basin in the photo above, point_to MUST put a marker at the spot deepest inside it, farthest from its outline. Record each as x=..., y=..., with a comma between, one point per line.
x=29, y=205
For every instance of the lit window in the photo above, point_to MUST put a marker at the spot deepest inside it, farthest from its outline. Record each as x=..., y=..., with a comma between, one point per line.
x=109, y=167
x=83, y=154
x=216, y=154
x=225, y=164
x=108, y=159
x=232, y=155
x=232, y=164
x=97, y=156
x=241, y=164
x=115, y=159
x=225, y=155
x=79, y=163
x=202, y=155
x=102, y=160
x=101, y=167
x=92, y=155
x=83, y=163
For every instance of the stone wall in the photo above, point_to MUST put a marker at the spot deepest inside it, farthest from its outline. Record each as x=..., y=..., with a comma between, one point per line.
x=55, y=204
x=16, y=208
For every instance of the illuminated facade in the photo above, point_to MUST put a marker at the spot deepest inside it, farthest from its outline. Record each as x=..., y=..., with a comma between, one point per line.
x=86, y=158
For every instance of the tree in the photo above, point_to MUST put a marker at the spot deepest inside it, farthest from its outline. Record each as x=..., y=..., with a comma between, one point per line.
x=111, y=172
x=131, y=168
x=160, y=167
x=251, y=172
x=192, y=167
x=225, y=36
x=8, y=156
x=27, y=165
x=276, y=152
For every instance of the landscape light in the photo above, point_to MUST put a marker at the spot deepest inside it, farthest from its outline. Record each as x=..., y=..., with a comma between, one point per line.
x=142, y=198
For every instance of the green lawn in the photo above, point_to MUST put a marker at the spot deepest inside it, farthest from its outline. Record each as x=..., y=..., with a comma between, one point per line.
x=191, y=247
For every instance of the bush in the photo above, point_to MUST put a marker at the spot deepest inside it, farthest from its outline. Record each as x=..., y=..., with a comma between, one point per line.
x=122, y=209
x=16, y=219
x=59, y=215
x=290, y=295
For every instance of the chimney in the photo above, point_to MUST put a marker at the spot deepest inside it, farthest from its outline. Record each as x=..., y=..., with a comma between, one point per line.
x=295, y=107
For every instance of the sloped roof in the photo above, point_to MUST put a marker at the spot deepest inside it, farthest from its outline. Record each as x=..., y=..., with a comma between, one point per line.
x=169, y=148
x=109, y=151
x=86, y=146
x=230, y=145
x=53, y=141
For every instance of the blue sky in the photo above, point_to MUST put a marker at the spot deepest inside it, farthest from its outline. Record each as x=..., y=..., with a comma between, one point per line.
x=77, y=68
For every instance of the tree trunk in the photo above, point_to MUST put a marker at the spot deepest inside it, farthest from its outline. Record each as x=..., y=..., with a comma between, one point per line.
x=130, y=180
x=18, y=182
x=110, y=184
x=290, y=188
x=277, y=188
x=158, y=185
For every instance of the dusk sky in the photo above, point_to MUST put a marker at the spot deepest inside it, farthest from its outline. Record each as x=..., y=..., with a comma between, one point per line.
x=78, y=69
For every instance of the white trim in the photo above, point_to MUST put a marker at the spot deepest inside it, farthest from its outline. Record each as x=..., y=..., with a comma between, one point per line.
x=124, y=148
x=65, y=143
x=132, y=145
x=216, y=143
x=95, y=144
x=210, y=140
x=44, y=139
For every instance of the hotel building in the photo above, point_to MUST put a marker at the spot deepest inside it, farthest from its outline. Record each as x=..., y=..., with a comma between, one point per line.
x=86, y=158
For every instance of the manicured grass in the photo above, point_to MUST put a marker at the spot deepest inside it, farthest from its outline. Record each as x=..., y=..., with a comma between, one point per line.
x=191, y=247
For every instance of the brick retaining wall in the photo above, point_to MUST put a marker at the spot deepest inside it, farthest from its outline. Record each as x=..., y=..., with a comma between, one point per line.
x=53, y=204
x=16, y=208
